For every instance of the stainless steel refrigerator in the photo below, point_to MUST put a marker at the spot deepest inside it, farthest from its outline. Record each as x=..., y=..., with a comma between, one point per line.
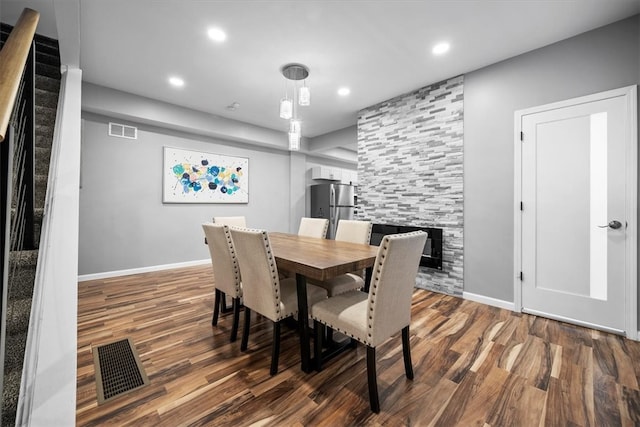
x=334, y=202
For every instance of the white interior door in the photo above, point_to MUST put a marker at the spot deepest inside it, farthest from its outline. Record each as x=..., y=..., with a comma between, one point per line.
x=578, y=215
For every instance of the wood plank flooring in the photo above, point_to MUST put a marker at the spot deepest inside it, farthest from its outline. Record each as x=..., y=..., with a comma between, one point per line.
x=474, y=365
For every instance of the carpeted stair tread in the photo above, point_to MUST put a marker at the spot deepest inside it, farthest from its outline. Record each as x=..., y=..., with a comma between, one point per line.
x=47, y=55
x=18, y=312
x=24, y=258
x=43, y=155
x=44, y=130
x=46, y=41
x=10, y=394
x=44, y=152
x=46, y=98
x=42, y=141
x=14, y=356
x=22, y=265
x=47, y=83
x=37, y=227
x=38, y=214
x=41, y=179
x=37, y=233
x=21, y=285
x=45, y=116
x=48, y=112
x=50, y=49
x=40, y=190
x=48, y=70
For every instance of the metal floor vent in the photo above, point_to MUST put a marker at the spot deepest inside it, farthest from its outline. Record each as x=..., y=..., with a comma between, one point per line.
x=118, y=369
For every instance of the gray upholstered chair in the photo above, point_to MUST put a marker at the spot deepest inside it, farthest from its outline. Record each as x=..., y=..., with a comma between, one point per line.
x=225, y=270
x=354, y=232
x=313, y=227
x=262, y=289
x=231, y=221
x=374, y=317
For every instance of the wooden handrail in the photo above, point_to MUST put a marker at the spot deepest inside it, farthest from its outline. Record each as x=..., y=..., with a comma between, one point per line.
x=13, y=57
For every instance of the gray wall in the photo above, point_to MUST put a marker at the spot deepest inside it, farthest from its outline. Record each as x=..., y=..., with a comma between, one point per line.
x=123, y=222
x=602, y=59
x=342, y=144
x=297, y=190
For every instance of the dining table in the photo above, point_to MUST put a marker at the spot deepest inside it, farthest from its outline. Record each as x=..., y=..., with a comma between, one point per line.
x=317, y=259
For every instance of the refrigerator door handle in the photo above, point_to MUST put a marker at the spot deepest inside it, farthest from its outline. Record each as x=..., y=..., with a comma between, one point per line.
x=333, y=209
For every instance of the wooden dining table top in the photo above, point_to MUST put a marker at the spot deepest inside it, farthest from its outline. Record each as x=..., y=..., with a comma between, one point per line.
x=320, y=259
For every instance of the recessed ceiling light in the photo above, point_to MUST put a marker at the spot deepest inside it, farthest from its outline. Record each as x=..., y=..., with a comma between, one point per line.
x=344, y=91
x=216, y=34
x=440, y=48
x=176, y=81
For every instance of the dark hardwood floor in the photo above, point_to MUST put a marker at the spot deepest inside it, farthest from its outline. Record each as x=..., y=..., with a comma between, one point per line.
x=474, y=365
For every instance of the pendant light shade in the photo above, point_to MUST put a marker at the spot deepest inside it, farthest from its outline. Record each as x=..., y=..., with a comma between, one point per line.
x=295, y=133
x=294, y=127
x=294, y=141
x=304, y=96
x=286, y=108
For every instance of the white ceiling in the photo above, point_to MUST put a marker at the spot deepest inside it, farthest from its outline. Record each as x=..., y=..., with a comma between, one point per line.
x=379, y=49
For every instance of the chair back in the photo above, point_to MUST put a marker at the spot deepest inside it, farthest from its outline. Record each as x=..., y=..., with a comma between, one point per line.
x=223, y=258
x=231, y=221
x=392, y=283
x=354, y=231
x=260, y=282
x=313, y=227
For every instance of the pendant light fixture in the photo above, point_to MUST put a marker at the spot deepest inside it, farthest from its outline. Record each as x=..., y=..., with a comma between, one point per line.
x=294, y=135
x=294, y=141
x=304, y=97
x=286, y=108
x=301, y=96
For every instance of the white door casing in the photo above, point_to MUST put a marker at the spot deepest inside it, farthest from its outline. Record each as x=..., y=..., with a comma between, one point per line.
x=574, y=153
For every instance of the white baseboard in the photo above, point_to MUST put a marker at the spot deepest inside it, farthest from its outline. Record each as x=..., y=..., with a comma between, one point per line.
x=507, y=305
x=117, y=273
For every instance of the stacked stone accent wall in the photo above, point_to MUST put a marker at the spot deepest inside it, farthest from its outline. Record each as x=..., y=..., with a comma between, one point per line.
x=410, y=171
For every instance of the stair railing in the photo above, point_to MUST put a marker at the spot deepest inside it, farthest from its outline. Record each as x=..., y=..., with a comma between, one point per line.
x=17, y=152
x=13, y=58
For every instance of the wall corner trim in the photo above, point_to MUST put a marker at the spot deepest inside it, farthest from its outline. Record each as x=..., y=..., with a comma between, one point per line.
x=507, y=305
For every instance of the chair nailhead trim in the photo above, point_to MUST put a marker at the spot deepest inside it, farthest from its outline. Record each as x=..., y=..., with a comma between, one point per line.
x=274, y=276
x=340, y=330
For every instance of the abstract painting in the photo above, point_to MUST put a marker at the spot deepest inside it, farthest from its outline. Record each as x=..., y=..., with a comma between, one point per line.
x=197, y=177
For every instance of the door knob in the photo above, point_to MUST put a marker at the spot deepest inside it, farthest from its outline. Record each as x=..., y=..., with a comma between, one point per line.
x=612, y=224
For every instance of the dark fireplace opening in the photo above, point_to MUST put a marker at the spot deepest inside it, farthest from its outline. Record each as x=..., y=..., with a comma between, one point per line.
x=432, y=252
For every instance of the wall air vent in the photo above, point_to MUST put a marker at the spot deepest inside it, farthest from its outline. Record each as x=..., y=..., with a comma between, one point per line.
x=123, y=131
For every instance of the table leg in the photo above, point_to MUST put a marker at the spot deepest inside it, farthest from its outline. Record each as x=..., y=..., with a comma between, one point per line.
x=303, y=319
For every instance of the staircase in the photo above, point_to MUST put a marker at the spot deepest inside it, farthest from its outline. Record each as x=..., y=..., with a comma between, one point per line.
x=22, y=263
